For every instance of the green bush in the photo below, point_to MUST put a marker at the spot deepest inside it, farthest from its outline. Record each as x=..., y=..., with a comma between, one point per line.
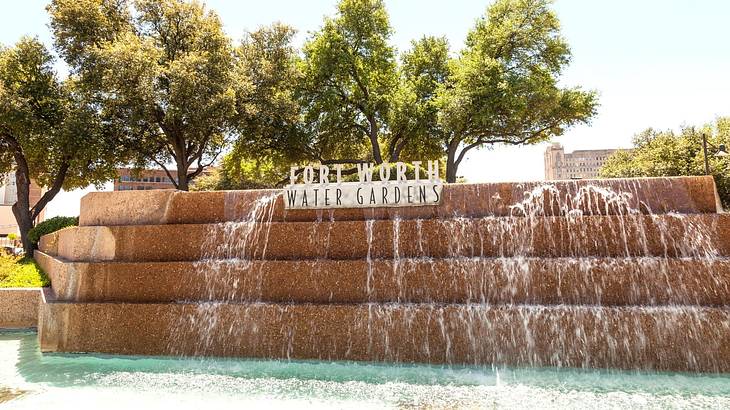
x=51, y=225
x=16, y=272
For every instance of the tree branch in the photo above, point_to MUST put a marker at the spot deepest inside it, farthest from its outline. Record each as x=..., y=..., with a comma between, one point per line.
x=53, y=191
x=342, y=161
x=485, y=140
x=198, y=170
x=164, y=168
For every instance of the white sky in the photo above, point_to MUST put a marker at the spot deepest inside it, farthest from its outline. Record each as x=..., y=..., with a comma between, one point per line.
x=655, y=63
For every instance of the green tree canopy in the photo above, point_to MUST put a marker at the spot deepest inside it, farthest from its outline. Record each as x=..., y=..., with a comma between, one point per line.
x=161, y=71
x=355, y=102
x=48, y=132
x=269, y=117
x=666, y=153
x=350, y=75
x=243, y=173
x=504, y=87
x=414, y=130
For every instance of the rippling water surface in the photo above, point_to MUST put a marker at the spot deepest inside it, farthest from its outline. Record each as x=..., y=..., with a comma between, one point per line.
x=29, y=380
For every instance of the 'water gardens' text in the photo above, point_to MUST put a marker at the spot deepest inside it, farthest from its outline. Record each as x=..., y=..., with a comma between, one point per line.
x=321, y=187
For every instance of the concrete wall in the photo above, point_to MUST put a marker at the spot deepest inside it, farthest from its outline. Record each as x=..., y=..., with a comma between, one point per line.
x=19, y=307
x=574, y=274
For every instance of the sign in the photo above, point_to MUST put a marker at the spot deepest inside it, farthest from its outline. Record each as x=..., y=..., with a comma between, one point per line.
x=393, y=189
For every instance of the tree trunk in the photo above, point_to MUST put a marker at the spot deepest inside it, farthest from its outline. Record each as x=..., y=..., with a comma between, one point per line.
x=21, y=210
x=181, y=155
x=377, y=156
x=25, y=214
x=451, y=165
x=397, y=148
x=182, y=177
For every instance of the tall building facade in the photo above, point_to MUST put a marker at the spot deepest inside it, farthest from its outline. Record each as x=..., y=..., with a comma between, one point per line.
x=581, y=164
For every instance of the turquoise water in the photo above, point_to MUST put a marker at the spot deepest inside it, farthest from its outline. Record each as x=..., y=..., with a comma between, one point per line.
x=111, y=382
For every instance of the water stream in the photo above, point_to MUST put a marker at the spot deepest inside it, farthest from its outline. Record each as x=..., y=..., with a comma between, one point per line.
x=559, y=286
x=594, y=268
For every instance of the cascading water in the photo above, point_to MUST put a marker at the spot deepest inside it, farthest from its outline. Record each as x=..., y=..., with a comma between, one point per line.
x=228, y=250
x=555, y=271
x=484, y=293
x=516, y=260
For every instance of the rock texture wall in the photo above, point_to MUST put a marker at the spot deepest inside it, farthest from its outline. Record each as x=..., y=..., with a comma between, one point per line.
x=19, y=308
x=616, y=273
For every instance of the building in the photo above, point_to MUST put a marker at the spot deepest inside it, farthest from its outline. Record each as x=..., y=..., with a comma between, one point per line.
x=146, y=179
x=142, y=180
x=8, y=197
x=581, y=164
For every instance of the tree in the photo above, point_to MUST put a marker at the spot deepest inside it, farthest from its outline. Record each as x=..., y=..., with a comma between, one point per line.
x=161, y=73
x=666, y=153
x=268, y=115
x=413, y=128
x=243, y=173
x=350, y=74
x=503, y=87
x=48, y=132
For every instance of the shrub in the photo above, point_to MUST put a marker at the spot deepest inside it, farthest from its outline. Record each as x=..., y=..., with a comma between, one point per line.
x=18, y=272
x=12, y=236
x=51, y=225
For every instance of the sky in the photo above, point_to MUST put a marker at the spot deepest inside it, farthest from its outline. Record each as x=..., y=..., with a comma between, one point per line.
x=654, y=63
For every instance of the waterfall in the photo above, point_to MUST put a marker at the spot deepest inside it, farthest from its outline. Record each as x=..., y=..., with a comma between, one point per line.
x=573, y=274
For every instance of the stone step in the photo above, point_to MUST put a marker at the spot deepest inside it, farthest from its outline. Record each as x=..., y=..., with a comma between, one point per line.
x=659, y=338
x=583, y=281
x=601, y=236
x=552, y=198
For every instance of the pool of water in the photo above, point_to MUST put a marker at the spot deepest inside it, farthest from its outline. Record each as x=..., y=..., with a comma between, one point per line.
x=30, y=380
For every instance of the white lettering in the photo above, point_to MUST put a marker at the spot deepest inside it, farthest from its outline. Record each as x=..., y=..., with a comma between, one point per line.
x=308, y=175
x=338, y=168
x=293, y=175
x=365, y=172
x=400, y=171
x=384, y=172
x=417, y=166
x=433, y=170
x=306, y=194
x=324, y=170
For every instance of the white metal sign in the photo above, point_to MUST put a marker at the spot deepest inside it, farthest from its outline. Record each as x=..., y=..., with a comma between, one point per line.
x=393, y=189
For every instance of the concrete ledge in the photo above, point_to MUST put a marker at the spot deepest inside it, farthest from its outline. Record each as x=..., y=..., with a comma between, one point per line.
x=49, y=243
x=572, y=273
x=600, y=236
x=579, y=281
x=551, y=198
x=663, y=338
x=19, y=307
x=57, y=270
